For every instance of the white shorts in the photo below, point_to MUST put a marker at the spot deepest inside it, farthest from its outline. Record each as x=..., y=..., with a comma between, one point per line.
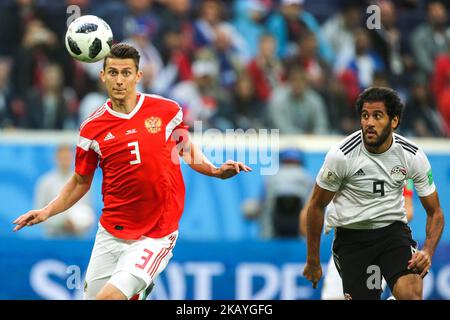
x=144, y=259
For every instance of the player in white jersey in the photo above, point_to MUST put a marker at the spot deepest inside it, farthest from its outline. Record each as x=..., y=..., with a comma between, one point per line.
x=364, y=176
x=332, y=282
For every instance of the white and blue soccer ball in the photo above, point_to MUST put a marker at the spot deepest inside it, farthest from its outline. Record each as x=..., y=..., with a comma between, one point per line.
x=88, y=38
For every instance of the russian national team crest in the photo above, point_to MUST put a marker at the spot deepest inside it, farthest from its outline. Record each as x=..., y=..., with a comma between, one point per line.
x=153, y=124
x=398, y=173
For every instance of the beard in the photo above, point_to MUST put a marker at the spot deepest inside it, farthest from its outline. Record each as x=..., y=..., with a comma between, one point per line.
x=381, y=138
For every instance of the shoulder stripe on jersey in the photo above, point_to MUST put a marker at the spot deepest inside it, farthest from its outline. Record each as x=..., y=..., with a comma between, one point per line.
x=176, y=120
x=351, y=143
x=397, y=138
x=84, y=143
x=87, y=144
x=96, y=147
x=352, y=147
x=406, y=147
x=94, y=114
x=350, y=140
x=97, y=114
x=162, y=98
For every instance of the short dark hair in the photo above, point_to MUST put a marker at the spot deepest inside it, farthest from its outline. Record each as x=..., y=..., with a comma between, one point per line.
x=123, y=51
x=390, y=98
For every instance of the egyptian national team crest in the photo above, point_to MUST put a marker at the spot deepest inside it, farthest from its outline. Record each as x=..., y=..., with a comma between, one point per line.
x=153, y=124
x=398, y=173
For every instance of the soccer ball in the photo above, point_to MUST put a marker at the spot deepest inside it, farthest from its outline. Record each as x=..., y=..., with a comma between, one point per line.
x=88, y=38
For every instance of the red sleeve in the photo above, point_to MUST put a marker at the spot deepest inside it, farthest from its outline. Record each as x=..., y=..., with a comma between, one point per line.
x=86, y=159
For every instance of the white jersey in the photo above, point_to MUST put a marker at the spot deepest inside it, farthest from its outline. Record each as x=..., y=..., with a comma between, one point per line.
x=368, y=186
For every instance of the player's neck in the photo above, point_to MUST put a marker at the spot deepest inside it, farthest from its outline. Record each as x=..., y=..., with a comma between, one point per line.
x=382, y=148
x=124, y=105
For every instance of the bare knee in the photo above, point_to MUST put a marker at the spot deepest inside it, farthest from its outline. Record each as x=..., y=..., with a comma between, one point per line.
x=408, y=287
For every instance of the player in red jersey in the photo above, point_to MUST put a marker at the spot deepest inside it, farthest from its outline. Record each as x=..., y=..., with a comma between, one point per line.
x=136, y=139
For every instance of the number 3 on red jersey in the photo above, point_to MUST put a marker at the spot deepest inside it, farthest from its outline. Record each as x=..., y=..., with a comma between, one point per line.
x=135, y=151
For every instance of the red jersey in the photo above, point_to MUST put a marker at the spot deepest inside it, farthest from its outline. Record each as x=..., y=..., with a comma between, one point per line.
x=143, y=189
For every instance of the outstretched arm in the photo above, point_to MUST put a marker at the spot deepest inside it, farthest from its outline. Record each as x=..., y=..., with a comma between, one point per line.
x=195, y=158
x=421, y=260
x=73, y=190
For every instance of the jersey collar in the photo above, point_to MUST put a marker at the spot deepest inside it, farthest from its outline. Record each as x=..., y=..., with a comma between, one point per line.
x=125, y=115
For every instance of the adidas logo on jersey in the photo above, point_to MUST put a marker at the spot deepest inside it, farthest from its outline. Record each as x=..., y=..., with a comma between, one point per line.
x=360, y=172
x=109, y=136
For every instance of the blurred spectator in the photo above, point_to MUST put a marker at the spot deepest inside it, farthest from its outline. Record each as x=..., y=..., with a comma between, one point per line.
x=177, y=68
x=175, y=42
x=249, y=111
x=176, y=17
x=290, y=23
x=210, y=19
x=380, y=79
x=266, y=69
x=121, y=16
x=58, y=14
x=441, y=73
x=39, y=47
x=286, y=193
x=248, y=19
x=387, y=40
x=339, y=31
x=228, y=60
x=171, y=34
x=92, y=101
x=341, y=114
x=296, y=108
x=366, y=61
x=6, y=118
x=76, y=221
x=309, y=59
x=202, y=98
x=52, y=106
x=140, y=37
x=429, y=39
x=420, y=117
x=14, y=19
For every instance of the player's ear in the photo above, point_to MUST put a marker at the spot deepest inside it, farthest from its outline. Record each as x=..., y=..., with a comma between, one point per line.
x=395, y=122
x=102, y=76
x=139, y=75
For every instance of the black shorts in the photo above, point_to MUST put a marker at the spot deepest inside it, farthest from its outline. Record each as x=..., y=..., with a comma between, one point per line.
x=360, y=254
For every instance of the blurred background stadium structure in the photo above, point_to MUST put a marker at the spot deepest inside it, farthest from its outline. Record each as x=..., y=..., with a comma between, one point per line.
x=296, y=65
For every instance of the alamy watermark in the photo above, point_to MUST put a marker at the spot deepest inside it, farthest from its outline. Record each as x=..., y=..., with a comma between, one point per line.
x=373, y=21
x=74, y=12
x=252, y=147
x=74, y=280
x=375, y=279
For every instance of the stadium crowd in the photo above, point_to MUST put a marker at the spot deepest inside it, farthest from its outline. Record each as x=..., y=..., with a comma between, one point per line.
x=296, y=65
